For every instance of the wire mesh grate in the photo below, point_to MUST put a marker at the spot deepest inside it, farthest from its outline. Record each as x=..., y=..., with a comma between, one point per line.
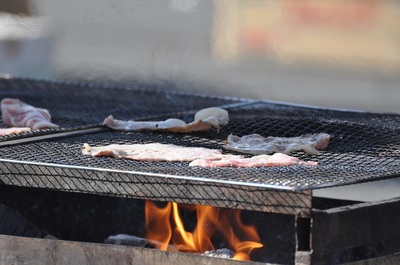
x=74, y=106
x=363, y=148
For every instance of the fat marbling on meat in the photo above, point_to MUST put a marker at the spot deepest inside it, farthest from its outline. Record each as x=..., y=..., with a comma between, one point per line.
x=16, y=113
x=256, y=144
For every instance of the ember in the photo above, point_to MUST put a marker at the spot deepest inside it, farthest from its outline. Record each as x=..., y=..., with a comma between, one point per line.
x=165, y=225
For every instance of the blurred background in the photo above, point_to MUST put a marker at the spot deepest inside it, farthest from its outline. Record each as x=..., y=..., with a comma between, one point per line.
x=327, y=53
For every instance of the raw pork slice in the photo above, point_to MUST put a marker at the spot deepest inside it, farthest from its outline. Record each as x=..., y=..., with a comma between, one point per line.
x=13, y=130
x=256, y=144
x=153, y=152
x=277, y=159
x=16, y=113
x=203, y=121
x=198, y=156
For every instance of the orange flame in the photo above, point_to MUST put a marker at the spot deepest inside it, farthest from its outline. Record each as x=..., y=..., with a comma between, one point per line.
x=159, y=226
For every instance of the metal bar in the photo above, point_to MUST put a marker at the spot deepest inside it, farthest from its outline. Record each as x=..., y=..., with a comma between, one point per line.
x=56, y=135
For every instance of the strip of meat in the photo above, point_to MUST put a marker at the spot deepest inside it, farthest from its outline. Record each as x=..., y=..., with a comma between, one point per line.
x=198, y=156
x=16, y=113
x=256, y=144
x=13, y=130
x=153, y=152
x=203, y=121
x=277, y=159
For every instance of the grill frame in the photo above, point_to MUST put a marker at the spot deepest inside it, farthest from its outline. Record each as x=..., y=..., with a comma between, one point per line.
x=57, y=162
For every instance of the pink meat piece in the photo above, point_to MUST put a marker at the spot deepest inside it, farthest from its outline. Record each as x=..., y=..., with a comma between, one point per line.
x=203, y=120
x=152, y=152
x=277, y=159
x=198, y=156
x=256, y=144
x=13, y=130
x=16, y=113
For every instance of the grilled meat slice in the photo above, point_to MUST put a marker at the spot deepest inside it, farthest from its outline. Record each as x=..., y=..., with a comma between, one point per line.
x=16, y=113
x=277, y=159
x=13, y=130
x=203, y=121
x=153, y=152
x=198, y=156
x=256, y=144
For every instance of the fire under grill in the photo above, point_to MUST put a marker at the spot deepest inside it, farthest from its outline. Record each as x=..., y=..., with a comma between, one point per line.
x=364, y=147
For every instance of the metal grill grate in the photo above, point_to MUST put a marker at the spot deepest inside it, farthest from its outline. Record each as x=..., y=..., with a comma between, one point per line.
x=75, y=106
x=363, y=148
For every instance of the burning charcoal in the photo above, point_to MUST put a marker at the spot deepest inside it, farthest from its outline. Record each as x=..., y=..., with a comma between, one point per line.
x=127, y=240
x=49, y=236
x=223, y=253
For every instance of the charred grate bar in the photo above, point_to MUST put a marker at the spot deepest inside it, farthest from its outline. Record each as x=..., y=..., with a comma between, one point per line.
x=363, y=148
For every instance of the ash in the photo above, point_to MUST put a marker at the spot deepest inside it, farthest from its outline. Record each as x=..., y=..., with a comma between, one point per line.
x=219, y=253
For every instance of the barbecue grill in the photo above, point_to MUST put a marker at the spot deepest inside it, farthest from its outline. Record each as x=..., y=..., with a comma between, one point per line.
x=364, y=147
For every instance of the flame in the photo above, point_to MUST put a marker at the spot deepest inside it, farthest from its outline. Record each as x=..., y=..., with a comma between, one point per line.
x=157, y=221
x=241, y=249
x=165, y=225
